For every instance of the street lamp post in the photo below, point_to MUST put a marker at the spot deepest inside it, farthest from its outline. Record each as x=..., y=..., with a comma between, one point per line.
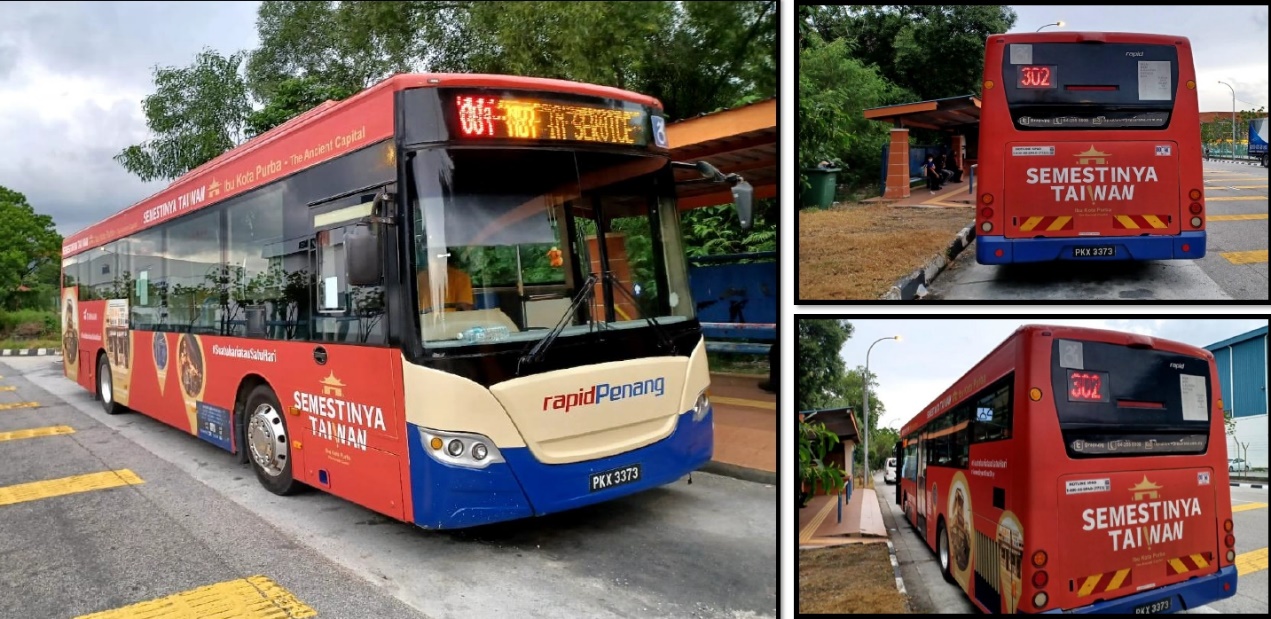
x=1233, y=119
x=1058, y=23
x=865, y=388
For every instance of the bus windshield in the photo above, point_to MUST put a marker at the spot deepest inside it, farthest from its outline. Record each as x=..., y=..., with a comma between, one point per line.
x=1115, y=400
x=1090, y=85
x=505, y=239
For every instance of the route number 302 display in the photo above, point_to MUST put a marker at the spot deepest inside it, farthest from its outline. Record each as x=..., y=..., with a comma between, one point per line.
x=1036, y=76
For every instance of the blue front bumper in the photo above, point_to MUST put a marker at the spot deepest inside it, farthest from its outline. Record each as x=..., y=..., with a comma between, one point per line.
x=1127, y=248
x=450, y=497
x=1185, y=595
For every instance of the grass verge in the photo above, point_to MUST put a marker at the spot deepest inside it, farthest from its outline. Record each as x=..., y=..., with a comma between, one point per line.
x=738, y=364
x=858, y=251
x=30, y=344
x=853, y=578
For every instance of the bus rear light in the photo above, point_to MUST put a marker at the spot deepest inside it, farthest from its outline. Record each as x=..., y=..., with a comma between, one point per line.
x=1230, y=540
x=986, y=198
x=999, y=253
x=1231, y=556
x=986, y=212
x=1194, y=194
x=1040, y=579
x=1194, y=208
x=1040, y=558
x=1035, y=394
x=987, y=226
x=988, y=84
x=1195, y=222
x=1226, y=524
x=1187, y=248
x=1040, y=599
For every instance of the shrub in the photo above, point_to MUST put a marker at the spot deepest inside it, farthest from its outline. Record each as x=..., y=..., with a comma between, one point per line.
x=46, y=323
x=28, y=331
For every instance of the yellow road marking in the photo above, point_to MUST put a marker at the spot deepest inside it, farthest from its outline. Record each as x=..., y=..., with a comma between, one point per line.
x=1154, y=221
x=9, y=388
x=806, y=534
x=1234, y=198
x=1245, y=257
x=772, y=406
x=37, y=490
x=1247, y=507
x=1250, y=562
x=36, y=433
x=1237, y=217
x=254, y=597
x=5, y=407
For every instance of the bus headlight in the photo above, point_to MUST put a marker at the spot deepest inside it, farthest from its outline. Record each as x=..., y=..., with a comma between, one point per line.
x=463, y=449
x=701, y=407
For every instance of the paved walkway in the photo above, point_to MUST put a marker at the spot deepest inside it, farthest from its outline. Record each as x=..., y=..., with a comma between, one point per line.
x=745, y=427
x=862, y=521
x=953, y=195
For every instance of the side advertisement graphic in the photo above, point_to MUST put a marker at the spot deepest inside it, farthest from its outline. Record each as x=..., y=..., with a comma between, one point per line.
x=118, y=341
x=70, y=333
x=192, y=369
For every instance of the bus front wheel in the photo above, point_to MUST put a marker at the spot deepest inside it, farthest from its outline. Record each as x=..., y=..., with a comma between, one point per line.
x=106, y=388
x=269, y=443
x=942, y=551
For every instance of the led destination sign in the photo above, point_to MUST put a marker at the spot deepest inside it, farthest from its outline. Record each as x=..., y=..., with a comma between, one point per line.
x=502, y=117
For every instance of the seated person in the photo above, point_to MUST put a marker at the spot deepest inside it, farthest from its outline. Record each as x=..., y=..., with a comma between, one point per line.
x=458, y=291
x=934, y=179
x=950, y=169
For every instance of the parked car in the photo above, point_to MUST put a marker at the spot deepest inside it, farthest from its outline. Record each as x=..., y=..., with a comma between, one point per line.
x=889, y=471
x=1237, y=465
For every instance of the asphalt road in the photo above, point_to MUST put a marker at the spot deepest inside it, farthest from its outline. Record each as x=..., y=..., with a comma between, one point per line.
x=702, y=550
x=1234, y=267
x=929, y=593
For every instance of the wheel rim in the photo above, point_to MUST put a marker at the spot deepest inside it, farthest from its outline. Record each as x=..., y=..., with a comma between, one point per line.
x=267, y=439
x=944, y=550
x=103, y=382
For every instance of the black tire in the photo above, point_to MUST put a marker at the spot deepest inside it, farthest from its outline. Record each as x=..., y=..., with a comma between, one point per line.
x=945, y=557
x=106, y=388
x=268, y=442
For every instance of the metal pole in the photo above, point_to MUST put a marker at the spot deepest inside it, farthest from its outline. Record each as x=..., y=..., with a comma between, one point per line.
x=865, y=389
x=1233, y=118
x=1058, y=23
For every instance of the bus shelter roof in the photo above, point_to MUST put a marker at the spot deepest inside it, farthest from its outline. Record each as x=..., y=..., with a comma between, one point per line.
x=938, y=114
x=741, y=140
x=840, y=421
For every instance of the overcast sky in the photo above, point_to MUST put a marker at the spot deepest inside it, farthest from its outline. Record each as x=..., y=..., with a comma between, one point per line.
x=932, y=354
x=72, y=77
x=1229, y=43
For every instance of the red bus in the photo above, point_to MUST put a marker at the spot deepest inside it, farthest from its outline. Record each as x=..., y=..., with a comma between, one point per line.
x=1089, y=149
x=1076, y=470
x=401, y=299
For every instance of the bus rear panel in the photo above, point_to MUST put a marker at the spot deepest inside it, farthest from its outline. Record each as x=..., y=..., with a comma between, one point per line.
x=1089, y=150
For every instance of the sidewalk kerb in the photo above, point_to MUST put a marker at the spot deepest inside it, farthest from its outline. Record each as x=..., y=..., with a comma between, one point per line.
x=906, y=289
x=895, y=568
x=743, y=473
x=28, y=352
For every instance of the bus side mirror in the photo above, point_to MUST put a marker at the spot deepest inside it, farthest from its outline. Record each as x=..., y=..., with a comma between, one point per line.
x=362, y=242
x=743, y=197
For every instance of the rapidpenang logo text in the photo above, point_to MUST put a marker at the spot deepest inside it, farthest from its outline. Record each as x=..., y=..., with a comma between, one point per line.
x=602, y=392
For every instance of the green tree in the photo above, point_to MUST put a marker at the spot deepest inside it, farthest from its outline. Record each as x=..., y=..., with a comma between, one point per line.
x=196, y=113
x=713, y=230
x=820, y=367
x=30, y=249
x=815, y=442
x=292, y=97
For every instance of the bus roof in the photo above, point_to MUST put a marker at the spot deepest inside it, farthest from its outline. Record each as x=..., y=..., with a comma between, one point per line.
x=191, y=191
x=1106, y=335
x=1061, y=36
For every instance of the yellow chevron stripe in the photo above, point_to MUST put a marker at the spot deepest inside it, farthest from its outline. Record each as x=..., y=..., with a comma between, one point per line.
x=1200, y=561
x=1059, y=224
x=1088, y=586
x=1118, y=579
x=1155, y=221
x=1127, y=221
x=1031, y=223
x=1178, y=566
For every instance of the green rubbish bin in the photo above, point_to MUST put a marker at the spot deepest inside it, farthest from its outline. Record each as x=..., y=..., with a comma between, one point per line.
x=821, y=190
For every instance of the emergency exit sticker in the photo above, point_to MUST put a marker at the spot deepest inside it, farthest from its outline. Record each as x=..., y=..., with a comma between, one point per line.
x=1082, y=486
x=1033, y=151
x=1162, y=150
x=1202, y=478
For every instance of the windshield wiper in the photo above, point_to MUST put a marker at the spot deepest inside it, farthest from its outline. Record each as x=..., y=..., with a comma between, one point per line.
x=535, y=354
x=664, y=342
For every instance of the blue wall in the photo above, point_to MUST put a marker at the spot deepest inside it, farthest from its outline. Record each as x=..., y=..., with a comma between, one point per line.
x=1242, y=372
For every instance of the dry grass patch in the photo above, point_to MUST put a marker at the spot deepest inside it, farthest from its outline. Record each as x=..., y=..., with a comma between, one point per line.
x=858, y=251
x=854, y=578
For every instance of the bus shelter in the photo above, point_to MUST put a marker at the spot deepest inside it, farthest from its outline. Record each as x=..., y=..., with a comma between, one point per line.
x=957, y=116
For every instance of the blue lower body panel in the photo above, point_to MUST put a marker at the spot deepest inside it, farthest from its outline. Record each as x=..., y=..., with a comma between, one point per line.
x=1127, y=248
x=451, y=497
x=1185, y=595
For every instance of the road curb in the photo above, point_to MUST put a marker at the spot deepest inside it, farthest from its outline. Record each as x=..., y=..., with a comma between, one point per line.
x=28, y=352
x=907, y=288
x=895, y=568
x=740, y=472
x=1236, y=484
